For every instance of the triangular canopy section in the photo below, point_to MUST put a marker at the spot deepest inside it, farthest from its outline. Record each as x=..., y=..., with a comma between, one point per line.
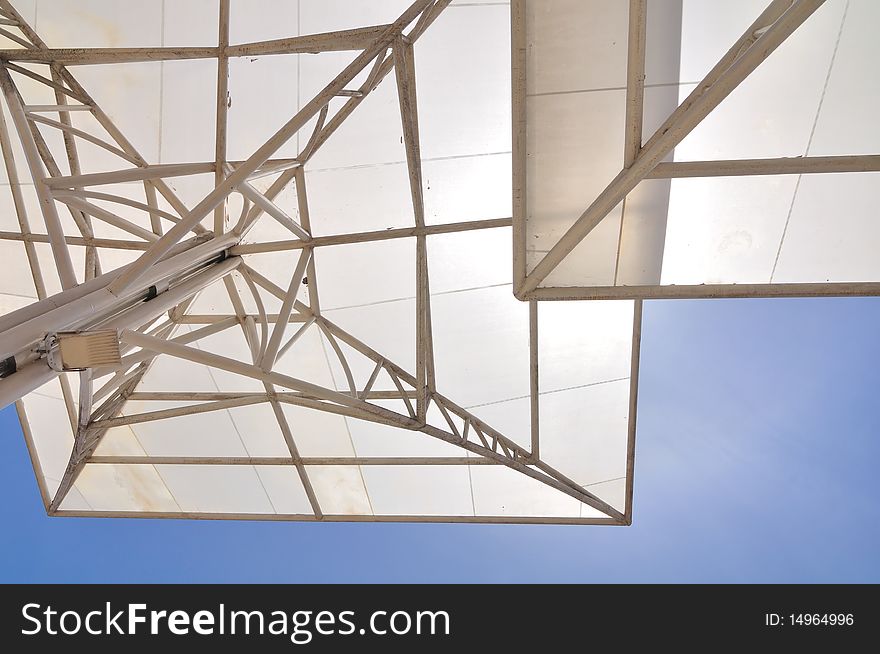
x=722, y=137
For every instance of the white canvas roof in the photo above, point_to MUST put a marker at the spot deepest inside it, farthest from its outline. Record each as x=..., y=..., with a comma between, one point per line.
x=406, y=381
x=781, y=197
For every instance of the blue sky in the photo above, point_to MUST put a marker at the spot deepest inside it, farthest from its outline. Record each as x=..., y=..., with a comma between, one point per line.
x=758, y=442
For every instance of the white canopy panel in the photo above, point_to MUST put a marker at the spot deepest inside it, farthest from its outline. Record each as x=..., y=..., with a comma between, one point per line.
x=773, y=193
x=350, y=347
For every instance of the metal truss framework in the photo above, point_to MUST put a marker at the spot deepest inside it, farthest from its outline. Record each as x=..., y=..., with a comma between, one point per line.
x=148, y=299
x=644, y=159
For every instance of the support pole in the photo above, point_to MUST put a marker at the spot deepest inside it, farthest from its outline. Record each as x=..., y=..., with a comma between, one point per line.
x=222, y=111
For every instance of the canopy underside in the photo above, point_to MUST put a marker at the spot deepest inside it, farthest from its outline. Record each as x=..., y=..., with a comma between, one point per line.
x=349, y=352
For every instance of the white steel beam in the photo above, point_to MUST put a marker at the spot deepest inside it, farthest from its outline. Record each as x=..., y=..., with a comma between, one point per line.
x=286, y=461
x=341, y=40
x=635, y=80
x=222, y=112
x=368, y=237
x=404, y=68
x=782, y=166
